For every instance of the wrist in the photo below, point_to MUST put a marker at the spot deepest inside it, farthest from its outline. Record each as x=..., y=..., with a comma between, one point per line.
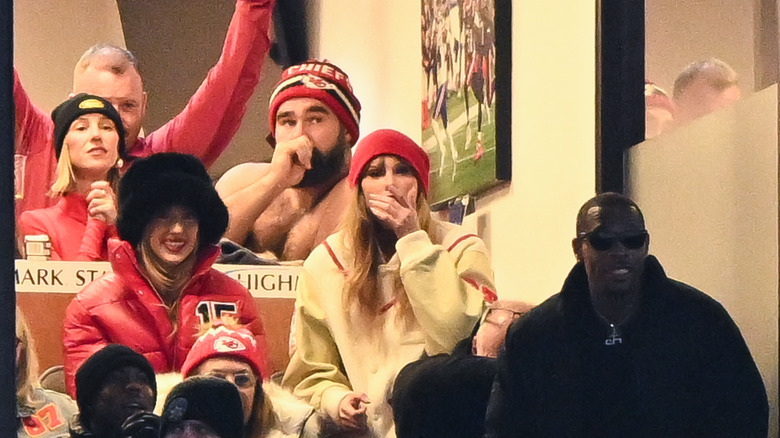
x=273, y=183
x=405, y=231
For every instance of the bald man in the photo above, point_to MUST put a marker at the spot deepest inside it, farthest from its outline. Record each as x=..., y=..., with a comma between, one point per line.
x=703, y=87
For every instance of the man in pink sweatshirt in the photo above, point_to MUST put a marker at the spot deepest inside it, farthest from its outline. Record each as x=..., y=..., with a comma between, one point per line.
x=204, y=128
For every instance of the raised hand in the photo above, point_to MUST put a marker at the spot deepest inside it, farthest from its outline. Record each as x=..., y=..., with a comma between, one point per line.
x=101, y=202
x=290, y=160
x=396, y=211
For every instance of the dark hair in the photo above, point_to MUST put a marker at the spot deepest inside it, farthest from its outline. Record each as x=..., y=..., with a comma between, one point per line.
x=607, y=201
x=153, y=185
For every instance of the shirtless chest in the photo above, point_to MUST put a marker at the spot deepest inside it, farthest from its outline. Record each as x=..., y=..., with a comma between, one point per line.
x=296, y=222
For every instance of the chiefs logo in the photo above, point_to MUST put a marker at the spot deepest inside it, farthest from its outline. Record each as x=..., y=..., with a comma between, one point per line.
x=225, y=344
x=316, y=82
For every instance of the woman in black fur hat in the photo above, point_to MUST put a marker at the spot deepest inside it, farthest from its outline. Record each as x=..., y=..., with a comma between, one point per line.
x=89, y=141
x=163, y=286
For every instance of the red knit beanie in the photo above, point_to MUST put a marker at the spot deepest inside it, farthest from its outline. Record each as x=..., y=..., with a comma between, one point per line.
x=389, y=142
x=325, y=82
x=221, y=341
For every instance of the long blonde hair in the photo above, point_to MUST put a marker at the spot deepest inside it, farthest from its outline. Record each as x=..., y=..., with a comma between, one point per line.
x=361, y=238
x=27, y=365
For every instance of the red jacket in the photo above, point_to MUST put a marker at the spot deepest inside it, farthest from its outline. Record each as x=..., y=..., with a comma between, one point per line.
x=74, y=235
x=204, y=128
x=123, y=308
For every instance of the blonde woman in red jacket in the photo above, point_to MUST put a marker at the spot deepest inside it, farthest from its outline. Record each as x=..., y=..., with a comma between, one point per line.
x=89, y=141
x=163, y=286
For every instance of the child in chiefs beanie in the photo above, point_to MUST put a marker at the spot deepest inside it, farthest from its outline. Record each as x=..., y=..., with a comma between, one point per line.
x=272, y=412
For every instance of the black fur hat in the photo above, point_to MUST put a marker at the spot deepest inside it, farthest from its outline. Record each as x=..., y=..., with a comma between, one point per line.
x=213, y=401
x=153, y=185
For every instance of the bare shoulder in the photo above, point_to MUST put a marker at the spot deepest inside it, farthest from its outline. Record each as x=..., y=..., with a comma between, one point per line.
x=341, y=193
x=240, y=176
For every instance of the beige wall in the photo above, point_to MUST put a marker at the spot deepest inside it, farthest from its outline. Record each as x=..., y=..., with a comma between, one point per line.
x=529, y=225
x=47, y=43
x=678, y=32
x=182, y=55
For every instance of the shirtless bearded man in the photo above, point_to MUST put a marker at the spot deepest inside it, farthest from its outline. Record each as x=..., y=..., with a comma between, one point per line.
x=290, y=205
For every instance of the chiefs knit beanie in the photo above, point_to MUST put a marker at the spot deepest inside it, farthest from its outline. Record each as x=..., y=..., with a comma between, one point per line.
x=215, y=402
x=153, y=185
x=77, y=106
x=325, y=82
x=389, y=142
x=92, y=374
x=221, y=341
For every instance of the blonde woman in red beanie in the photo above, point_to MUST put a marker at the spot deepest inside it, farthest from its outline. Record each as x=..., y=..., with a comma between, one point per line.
x=392, y=285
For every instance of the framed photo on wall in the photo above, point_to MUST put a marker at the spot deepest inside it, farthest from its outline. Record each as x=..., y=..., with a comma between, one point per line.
x=466, y=102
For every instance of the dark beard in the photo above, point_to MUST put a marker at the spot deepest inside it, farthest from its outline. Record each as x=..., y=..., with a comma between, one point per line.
x=325, y=167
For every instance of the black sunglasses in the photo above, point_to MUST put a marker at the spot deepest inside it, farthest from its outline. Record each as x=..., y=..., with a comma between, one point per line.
x=602, y=241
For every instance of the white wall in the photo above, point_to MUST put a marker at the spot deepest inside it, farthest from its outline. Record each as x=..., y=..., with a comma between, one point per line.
x=529, y=226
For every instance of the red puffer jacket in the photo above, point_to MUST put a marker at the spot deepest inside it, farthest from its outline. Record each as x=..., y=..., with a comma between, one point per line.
x=123, y=308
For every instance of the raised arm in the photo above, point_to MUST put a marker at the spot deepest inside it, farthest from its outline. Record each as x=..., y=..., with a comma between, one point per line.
x=33, y=144
x=34, y=127
x=212, y=116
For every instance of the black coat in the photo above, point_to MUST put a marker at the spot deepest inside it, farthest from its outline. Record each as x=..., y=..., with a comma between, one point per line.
x=682, y=369
x=444, y=395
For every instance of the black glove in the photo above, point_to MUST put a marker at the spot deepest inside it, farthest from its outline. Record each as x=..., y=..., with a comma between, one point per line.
x=141, y=425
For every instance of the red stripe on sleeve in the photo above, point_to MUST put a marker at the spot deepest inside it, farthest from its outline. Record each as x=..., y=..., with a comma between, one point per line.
x=333, y=256
x=460, y=239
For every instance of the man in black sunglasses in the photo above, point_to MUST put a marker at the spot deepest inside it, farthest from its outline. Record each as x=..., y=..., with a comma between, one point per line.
x=623, y=350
